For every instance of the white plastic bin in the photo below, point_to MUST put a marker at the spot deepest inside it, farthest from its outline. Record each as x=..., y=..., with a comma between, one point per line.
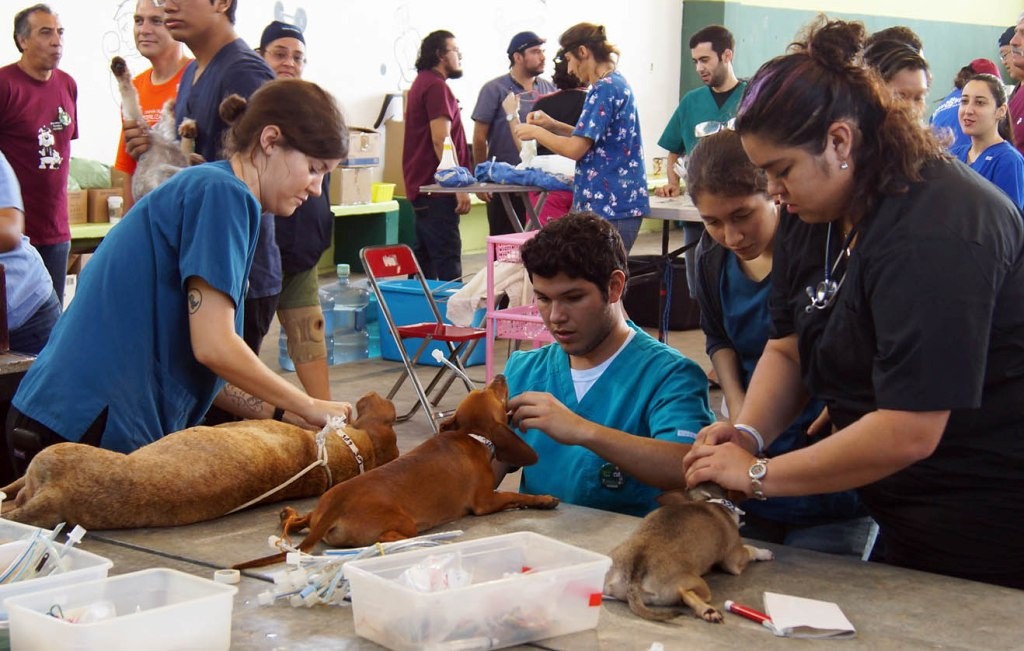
x=85, y=566
x=524, y=587
x=156, y=610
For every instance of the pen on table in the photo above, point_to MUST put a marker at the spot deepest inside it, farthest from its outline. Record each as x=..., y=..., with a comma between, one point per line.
x=749, y=613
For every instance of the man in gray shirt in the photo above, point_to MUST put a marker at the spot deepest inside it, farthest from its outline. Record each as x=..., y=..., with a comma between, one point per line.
x=492, y=137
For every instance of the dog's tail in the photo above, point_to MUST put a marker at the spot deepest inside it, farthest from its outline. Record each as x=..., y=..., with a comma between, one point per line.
x=11, y=490
x=635, y=598
x=261, y=562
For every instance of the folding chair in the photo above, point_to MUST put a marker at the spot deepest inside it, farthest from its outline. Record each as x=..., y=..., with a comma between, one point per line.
x=394, y=260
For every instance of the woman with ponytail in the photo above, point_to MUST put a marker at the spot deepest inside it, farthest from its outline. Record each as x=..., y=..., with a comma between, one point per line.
x=605, y=142
x=154, y=329
x=898, y=300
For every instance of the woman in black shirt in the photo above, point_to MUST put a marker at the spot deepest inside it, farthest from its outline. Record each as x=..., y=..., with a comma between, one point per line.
x=898, y=299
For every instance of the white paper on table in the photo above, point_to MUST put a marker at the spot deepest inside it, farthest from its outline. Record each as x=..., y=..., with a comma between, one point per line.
x=799, y=617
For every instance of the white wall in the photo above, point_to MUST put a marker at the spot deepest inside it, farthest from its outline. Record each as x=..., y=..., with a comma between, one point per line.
x=361, y=50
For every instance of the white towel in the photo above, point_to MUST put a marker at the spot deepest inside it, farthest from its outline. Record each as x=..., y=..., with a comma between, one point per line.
x=509, y=278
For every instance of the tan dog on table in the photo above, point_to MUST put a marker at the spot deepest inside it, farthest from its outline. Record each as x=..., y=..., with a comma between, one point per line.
x=663, y=560
x=196, y=474
x=441, y=480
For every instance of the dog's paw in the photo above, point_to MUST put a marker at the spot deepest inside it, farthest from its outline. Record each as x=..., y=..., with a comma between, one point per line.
x=549, y=502
x=759, y=554
x=711, y=614
x=188, y=129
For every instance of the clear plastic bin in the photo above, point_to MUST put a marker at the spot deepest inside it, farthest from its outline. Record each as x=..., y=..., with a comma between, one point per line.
x=157, y=609
x=524, y=587
x=85, y=566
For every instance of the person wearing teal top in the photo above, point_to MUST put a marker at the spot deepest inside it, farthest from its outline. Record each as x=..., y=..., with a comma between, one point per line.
x=154, y=330
x=711, y=107
x=610, y=411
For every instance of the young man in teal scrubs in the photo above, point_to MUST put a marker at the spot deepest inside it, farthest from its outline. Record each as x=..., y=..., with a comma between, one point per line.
x=610, y=410
x=713, y=103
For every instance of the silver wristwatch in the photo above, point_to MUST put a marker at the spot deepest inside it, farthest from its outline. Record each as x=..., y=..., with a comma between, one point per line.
x=756, y=473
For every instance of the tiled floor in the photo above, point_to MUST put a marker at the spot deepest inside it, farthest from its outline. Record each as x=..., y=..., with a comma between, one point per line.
x=350, y=381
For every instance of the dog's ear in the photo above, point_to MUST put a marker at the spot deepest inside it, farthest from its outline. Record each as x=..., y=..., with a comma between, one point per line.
x=509, y=448
x=677, y=496
x=232, y=107
x=448, y=424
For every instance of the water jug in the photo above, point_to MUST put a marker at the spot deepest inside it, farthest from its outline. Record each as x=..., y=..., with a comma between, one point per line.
x=348, y=320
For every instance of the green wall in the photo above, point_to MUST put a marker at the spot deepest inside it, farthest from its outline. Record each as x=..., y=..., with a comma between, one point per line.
x=764, y=32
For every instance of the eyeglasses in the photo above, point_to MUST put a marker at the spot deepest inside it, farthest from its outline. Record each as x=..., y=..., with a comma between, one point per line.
x=711, y=127
x=280, y=56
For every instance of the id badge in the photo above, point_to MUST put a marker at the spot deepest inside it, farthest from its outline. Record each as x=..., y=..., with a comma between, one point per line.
x=611, y=477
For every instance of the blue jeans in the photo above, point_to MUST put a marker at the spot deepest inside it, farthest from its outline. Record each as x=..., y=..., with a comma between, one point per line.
x=438, y=241
x=629, y=229
x=691, y=233
x=846, y=537
x=32, y=335
x=55, y=258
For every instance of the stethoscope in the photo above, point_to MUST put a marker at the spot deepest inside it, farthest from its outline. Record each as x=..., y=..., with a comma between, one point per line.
x=824, y=293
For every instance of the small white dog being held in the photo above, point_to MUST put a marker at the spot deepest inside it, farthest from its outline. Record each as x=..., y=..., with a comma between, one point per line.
x=166, y=155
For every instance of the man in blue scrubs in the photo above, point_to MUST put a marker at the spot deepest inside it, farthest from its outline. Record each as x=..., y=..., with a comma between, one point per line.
x=610, y=410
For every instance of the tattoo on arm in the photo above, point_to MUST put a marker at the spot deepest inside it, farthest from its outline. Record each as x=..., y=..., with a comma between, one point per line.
x=195, y=300
x=247, y=404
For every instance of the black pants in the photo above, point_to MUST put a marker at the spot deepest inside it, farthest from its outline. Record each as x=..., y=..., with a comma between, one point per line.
x=438, y=241
x=498, y=220
x=27, y=437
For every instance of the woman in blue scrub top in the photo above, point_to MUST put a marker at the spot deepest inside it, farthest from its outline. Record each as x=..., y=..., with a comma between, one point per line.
x=734, y=265
x=154, y=330
x=984, y=116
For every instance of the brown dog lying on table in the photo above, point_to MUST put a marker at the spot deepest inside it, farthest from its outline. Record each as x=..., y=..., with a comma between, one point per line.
x=662, y=561
x=197, y=474
x=441, y=480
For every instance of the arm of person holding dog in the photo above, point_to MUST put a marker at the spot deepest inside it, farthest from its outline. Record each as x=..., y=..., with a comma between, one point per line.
x=216, y=345
x=652, y=461
x=877, y=445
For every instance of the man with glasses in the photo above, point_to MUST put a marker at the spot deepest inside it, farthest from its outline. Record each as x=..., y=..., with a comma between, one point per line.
x=701, y=112
x=302, y=238
x=492, y=135
x=155, y=86
x=432, y=116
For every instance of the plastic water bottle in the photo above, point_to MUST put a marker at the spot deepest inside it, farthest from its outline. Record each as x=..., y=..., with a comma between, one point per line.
x=447, y=155
x=348, y=321
x=282, y=353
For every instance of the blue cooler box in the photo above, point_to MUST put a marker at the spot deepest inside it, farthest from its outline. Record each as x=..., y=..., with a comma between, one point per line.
x=408, y=305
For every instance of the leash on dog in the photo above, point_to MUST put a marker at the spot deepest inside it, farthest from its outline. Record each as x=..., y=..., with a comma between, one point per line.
x=334, y=423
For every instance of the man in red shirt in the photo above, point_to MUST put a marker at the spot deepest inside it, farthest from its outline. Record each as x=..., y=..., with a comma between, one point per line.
x=38, y=121
x=431, y=115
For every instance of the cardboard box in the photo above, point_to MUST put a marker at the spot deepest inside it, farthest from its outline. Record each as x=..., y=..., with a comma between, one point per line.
x=98, y=202
x=394, y=142
x=350, y=185
x=363, y=148
x=78, y=206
